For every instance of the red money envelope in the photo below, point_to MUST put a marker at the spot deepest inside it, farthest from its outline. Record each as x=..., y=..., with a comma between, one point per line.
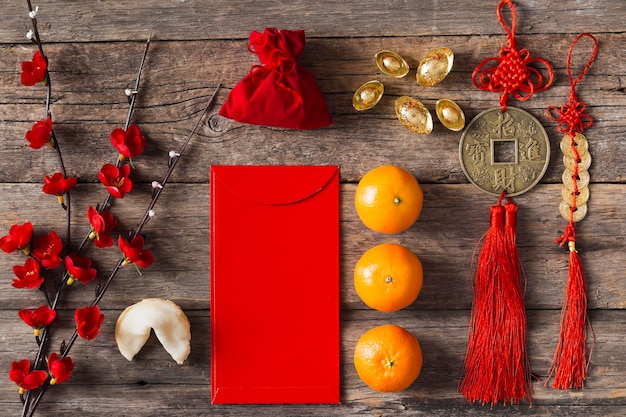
x=274, y=284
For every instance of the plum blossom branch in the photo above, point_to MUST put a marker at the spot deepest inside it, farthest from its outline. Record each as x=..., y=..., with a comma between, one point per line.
x=30, y=403
x=149, y=213
x=49, y=251
x=33, y=35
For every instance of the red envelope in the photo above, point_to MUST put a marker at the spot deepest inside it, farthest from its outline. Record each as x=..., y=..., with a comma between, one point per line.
x=274, y=284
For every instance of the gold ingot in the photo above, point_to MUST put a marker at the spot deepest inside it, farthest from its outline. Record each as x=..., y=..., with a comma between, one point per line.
x=580, y=143
x=368, y=95
x=392, y=64
x=435, y=66
x=450, y=114
x=584, y=162
x=579, y=213
x=581, y=198
x=413, y=115
x=582, y=180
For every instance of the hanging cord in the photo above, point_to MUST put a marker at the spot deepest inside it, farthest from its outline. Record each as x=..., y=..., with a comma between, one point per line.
x=511, y=73
x=572, y=119
x=571, y=359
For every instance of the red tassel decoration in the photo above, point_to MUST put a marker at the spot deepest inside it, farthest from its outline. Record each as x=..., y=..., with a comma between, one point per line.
x=570, y=362
x=496, y=365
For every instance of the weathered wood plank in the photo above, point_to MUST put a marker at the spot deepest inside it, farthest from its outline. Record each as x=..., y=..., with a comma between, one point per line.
x=453, y=220
x=89, y=102
x=214, y=19
x=149, y=384
x=94, y=50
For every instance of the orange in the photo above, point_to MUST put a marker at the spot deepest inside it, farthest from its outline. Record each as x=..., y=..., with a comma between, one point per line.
x=388, y=277
x=388, y=358
x=388, y=199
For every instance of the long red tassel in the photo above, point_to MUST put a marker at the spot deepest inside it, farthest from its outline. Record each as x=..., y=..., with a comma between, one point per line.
x=570, y=362
x=496, y=365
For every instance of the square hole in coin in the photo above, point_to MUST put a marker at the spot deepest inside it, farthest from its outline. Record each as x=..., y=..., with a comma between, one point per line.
x=504, y=151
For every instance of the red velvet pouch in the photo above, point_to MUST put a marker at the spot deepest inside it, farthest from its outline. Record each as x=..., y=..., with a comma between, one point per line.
x=280, y=92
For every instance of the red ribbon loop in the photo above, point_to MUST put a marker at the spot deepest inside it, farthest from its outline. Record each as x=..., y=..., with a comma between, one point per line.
x=571, y=117
x=511, y=72
x=591, y=59
x=510, y=32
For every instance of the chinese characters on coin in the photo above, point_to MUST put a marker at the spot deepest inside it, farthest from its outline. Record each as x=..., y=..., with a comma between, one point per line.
x=504, y=152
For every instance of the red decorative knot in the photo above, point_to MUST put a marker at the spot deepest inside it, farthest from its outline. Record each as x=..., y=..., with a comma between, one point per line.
x=571, y=117
x=511, y=73
x=568, y=236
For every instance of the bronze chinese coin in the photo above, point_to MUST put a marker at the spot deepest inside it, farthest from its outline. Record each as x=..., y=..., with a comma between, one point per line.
x=580, y=197
x=504, y=151
x=583, y=162
x=577, y=215
x=580, y=143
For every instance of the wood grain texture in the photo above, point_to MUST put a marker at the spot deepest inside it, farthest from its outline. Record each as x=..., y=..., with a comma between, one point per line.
x=89, y=102
x=95, y=49
x=215, y=19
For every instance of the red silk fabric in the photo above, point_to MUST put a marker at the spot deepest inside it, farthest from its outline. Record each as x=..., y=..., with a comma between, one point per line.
x=279, y=92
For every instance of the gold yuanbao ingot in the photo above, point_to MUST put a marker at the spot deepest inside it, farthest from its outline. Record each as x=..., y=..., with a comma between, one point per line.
x=450, y=114
x=392, y=64
x=414, y=115
x=368, y=95
x=434, y=67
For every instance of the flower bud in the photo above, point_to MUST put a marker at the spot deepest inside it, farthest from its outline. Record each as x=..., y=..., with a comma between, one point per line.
x=33, y=13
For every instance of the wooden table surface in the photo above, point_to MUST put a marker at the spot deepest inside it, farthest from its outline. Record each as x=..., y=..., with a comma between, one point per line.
x=95, y=49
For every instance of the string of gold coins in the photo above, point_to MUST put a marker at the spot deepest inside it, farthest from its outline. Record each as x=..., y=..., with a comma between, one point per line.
x=575, y=193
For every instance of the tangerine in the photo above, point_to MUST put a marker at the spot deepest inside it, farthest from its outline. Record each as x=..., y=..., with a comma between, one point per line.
x=388, y=277
x=388, y=199
x=388, y=358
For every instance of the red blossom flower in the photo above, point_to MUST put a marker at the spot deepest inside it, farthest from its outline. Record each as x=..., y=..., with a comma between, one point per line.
x=21, y=374
x=40, y=133
x=79, y=267
x=18, y=238
x=34, y=71
x=28, y=275
x=135, y=253
x=88, y=321
x=38, y=318
x=116, y=179
x=60, y=368
x=57, y=184
x=102, y=224
x=47, y=249
x=129, y=143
